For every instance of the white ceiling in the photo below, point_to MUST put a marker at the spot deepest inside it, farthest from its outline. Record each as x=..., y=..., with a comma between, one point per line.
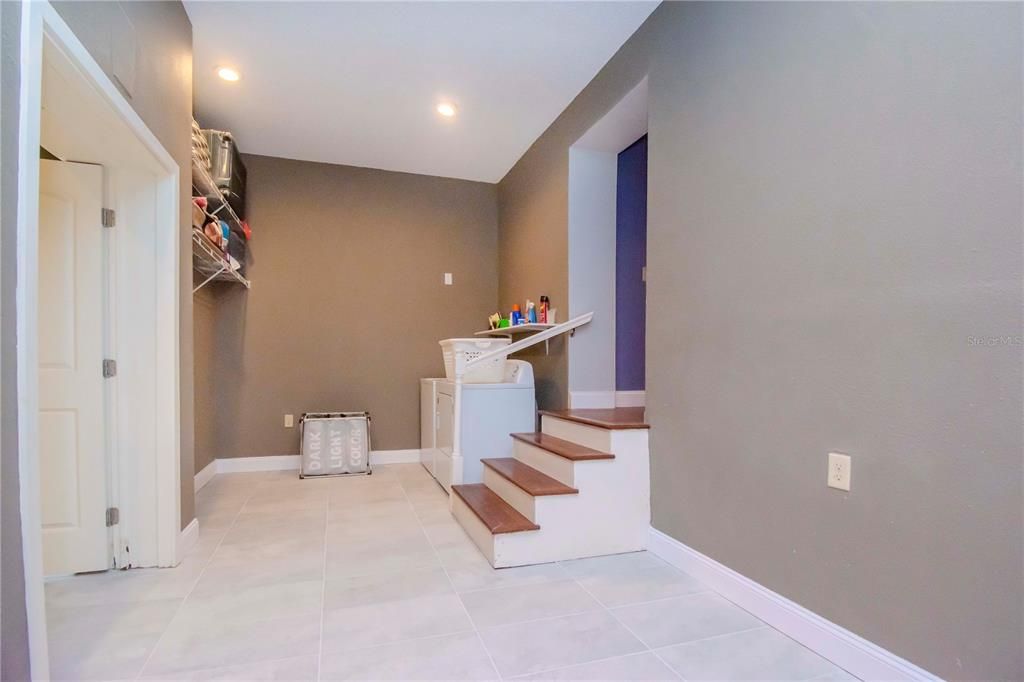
x=357, y=83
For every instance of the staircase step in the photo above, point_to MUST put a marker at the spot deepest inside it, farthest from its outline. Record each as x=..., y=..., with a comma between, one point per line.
x=562, y=448
x=493, y=512
x=526, y=478
x=614, y=418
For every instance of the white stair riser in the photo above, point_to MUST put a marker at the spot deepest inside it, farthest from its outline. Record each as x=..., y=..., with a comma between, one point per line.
x=610, y=514
x=558, y=468
x=474, y=527
x=518, y=499
x=572, y=527
x=581, y=434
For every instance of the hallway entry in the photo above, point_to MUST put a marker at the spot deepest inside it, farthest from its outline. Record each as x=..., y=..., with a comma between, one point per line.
x=631, y=266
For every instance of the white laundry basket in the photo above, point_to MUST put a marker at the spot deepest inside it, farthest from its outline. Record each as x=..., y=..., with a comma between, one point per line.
x=457, y=352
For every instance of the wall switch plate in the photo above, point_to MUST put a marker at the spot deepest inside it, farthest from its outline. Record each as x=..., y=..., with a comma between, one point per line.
x=448, y=278
x=839, y=471
x=289, y=421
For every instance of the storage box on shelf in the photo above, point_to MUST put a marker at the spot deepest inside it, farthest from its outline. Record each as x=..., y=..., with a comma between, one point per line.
x=219, y=206
x=227, y=168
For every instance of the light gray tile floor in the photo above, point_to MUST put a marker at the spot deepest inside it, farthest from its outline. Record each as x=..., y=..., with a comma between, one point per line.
x=371, y=578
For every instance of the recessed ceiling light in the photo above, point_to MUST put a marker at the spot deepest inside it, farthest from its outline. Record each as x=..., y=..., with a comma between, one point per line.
x=446, y=109
x=228, y=73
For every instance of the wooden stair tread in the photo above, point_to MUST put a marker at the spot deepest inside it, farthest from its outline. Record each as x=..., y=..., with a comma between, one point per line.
x=561, y=447
x=614, y=418
x=528, y=479
x=494, y=512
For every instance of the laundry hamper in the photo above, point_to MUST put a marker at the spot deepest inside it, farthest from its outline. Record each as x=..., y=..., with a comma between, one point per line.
x=458, y=352
x=334, y=444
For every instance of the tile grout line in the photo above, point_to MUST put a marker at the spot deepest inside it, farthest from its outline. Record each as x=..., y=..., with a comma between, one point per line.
x=451, y=583
x=655, y=650
x=323, y=590
x=202, y=572
x=229, y=666
x=627, y=628
x=577, y=665
x=711, y=637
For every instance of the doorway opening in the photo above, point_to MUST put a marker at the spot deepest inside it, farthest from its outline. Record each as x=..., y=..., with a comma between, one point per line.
x=608, y=256
x=97, y=324
x=631, y=273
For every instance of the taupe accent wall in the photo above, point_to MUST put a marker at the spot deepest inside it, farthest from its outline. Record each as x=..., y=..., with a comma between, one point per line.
x=204, y=348
x=834, y=264
x=533, y=200
x=161, y=94
x=348, y=300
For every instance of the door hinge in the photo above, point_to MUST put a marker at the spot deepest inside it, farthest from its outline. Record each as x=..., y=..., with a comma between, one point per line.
x=109, y=368
x=108, y=217
x=113, y=516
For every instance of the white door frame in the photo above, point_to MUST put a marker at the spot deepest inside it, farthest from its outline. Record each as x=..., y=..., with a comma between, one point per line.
x=159, y=475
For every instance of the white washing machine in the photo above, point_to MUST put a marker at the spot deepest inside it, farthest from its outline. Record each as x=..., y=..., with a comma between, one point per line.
x=428, y=423
x=490, y=412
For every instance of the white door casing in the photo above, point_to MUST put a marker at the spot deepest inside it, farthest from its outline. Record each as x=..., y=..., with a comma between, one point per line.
x=72, y=416
x=116, y=137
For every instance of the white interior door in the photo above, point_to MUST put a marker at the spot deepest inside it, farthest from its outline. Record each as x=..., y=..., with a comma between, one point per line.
x=72, y=416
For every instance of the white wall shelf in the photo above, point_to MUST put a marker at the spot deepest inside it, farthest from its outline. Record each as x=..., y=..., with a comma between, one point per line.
x=218, y=207
x=212, y=264
x=528, y=328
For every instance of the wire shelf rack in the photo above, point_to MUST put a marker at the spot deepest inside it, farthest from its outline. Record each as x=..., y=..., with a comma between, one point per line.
x=211, y=264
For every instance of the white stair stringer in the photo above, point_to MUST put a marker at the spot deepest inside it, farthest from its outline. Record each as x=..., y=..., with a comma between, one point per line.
x=609, y=515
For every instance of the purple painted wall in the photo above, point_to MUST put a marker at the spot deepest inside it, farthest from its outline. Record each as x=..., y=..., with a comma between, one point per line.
x=630, y=259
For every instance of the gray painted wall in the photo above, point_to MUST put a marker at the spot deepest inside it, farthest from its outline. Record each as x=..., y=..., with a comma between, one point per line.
x=348, y=299
x=834, y=214
x=204, y=345
x=533, y=208
x=161, y=94
x=14, y=654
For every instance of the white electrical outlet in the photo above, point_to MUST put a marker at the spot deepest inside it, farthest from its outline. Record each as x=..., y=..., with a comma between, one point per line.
x=289, y=421
x=448, y=278
x=839, y=471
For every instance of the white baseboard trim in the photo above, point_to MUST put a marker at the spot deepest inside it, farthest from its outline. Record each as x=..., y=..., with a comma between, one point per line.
x=206, y=475
x=234, y=465
x=630, y=398
x=187, y=539
x=378, y=457
x=604, y=399
x=591, y=399
x=849, y=651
